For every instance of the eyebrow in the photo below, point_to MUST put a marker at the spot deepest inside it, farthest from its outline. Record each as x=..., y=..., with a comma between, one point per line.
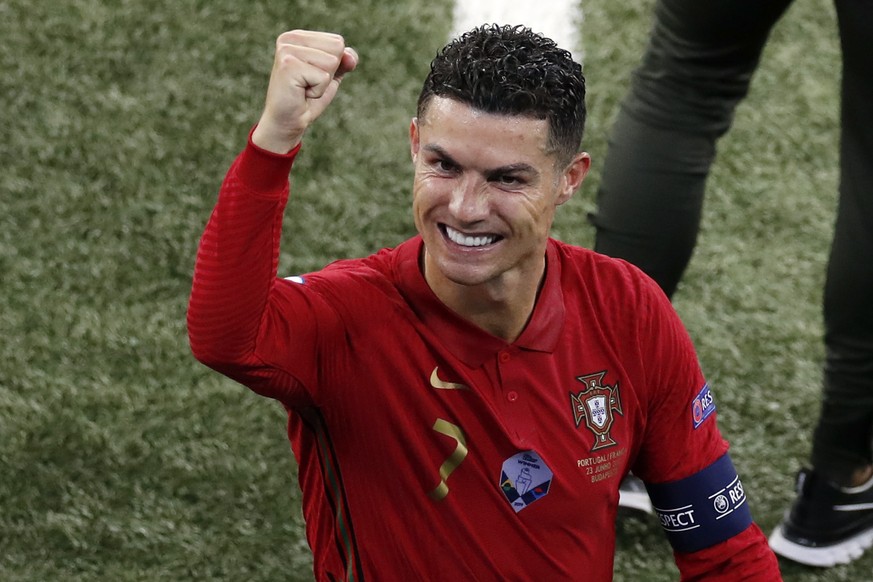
x=517, y=168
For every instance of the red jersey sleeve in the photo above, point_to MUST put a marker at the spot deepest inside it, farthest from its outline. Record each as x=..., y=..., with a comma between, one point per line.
x=746, y=556
x=233, y=290
x=675, y=444
x=682, y=438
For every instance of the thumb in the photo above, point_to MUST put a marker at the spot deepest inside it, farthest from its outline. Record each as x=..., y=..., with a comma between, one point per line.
x=348, y=62
x=319, y=100
x=326, y=92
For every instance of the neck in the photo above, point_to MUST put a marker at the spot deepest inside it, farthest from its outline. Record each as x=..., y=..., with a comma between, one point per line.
x=502, y=307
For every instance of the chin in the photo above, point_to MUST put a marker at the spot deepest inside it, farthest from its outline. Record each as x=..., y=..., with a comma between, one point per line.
x=463, y=274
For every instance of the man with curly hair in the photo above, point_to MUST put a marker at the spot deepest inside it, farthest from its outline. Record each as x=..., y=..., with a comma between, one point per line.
x=465, y=405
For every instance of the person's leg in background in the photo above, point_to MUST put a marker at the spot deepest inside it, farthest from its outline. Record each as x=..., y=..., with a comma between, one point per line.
x=696, y=69
x=831, y=521
x=843, y=438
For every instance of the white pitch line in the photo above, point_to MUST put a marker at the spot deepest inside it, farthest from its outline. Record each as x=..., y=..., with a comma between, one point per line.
x=557, y=19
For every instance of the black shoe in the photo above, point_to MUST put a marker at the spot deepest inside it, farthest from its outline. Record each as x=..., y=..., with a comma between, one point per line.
x=827, y=524
x=632, y=494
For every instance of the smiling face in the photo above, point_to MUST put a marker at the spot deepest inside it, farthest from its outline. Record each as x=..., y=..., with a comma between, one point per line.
x=484, y=195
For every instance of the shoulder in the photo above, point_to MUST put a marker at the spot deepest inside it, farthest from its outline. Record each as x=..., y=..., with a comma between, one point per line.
x=604, y=279
x=356, y=282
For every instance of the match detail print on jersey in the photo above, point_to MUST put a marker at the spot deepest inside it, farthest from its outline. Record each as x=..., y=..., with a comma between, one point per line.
x=525, y=478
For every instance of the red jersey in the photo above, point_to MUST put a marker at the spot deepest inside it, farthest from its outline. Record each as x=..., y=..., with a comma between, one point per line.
x=430, y=449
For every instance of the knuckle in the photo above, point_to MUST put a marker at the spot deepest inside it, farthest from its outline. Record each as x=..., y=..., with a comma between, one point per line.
x=286, y=60
x=290, y=37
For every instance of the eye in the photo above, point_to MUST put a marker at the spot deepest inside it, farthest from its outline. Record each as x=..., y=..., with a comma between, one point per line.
x=445, y=166
x=509, y=180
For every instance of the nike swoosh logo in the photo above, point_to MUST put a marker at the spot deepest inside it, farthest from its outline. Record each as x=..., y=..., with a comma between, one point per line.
x=442, y=385
x=854, y=507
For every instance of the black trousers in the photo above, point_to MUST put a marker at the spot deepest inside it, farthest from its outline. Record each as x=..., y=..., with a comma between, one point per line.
x=697, y=68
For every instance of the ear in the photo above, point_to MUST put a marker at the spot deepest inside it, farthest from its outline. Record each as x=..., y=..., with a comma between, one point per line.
x=573, y=176
x=414, y=141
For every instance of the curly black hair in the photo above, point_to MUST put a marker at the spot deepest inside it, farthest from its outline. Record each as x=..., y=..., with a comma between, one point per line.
x=511, y=70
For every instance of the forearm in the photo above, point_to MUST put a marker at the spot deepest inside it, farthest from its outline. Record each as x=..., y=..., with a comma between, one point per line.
x=237, y=259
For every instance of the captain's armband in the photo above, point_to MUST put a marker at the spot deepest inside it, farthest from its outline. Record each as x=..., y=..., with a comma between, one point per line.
x=703, y=509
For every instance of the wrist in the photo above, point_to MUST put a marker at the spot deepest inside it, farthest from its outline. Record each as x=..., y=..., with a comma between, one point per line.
x=268, y=138
x=263, y=172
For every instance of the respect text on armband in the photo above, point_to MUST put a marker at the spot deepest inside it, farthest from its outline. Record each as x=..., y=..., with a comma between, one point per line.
x=703, y=509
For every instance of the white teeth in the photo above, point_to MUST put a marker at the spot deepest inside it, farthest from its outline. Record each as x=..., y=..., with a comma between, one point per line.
x=469, y=241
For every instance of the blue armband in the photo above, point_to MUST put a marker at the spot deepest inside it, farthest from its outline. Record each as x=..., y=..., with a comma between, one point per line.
x=703, y=509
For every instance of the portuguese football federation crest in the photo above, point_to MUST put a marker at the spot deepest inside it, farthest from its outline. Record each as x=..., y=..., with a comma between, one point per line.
x=596, y=405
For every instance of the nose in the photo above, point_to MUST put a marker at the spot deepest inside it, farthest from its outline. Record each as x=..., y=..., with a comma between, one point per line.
x=469, y=203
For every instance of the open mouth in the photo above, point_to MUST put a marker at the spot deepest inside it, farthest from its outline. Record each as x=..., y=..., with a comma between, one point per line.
x=467, y=240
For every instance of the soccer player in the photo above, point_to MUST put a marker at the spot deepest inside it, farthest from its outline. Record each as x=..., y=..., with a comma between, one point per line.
x=697, y=68
x=465, y=405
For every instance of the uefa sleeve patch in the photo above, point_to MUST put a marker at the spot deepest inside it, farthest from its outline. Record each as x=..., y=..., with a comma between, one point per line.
x=702, y=406
x=703, y=509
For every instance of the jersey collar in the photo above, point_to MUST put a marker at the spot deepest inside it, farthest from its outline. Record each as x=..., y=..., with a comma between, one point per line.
x=463, y=339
